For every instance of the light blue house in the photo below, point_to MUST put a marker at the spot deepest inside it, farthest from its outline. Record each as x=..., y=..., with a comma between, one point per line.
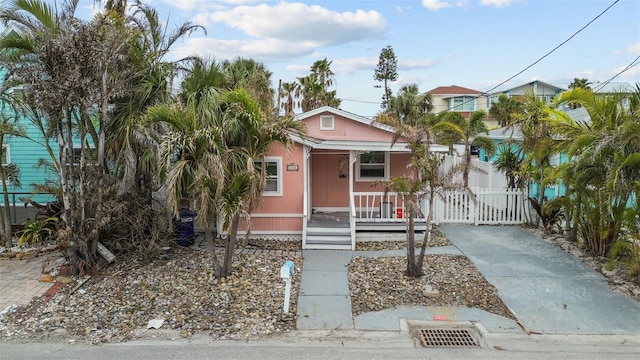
x=512, y=136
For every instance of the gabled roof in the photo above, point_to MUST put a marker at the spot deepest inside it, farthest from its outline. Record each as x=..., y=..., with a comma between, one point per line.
x=345, y=114
x=453, y=90
x=526, y=84
x=351, y=144
x=613, y=87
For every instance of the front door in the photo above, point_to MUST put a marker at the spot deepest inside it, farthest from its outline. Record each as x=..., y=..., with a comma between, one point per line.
x=330, y=181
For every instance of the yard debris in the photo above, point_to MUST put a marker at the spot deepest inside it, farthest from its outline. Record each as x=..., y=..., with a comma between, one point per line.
x=155, y=323
x=63, y=280
x=105, y=253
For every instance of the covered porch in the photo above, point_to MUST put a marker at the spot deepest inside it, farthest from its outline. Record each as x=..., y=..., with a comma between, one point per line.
x=344, y=194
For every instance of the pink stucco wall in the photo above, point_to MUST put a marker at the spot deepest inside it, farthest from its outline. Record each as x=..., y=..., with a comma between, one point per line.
x=290, y=202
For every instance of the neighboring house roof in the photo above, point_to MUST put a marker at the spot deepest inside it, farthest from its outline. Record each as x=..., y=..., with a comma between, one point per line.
x=454, y=90
x=504, y=133
x=538, y=82
x=613, y=87
x=579, y=114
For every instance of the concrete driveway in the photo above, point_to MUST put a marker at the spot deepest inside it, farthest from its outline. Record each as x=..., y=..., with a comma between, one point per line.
x=549, y=290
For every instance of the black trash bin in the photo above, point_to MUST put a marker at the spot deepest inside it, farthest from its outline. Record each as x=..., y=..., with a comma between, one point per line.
x=184, y=227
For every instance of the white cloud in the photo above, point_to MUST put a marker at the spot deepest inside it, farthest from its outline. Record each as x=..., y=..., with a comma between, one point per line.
x=496, y=3
x=436, y=5
x=297, y=22
x=633, y=49
x=298, y=69
x=415, y=64
x=205, y=4
x=349, y=66
x=260, y=50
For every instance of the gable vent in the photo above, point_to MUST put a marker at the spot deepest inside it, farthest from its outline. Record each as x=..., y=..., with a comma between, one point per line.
x=326, y=123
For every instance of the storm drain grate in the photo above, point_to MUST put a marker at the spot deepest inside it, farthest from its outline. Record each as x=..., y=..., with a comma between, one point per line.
x=447, y=338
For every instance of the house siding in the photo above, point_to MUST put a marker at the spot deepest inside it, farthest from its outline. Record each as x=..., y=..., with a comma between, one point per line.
x=26, y=153
x=345, y=129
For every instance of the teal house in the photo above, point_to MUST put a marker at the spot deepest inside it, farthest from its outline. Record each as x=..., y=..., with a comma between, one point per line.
x=28, y=154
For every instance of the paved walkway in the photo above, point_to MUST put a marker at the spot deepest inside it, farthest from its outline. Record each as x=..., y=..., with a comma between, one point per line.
x=549, y=291
x=20, y=280
x=324, y=301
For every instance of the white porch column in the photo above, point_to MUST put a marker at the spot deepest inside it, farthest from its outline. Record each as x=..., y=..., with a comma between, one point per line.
x=306, y=196
x=352, y=160
x=352, y=208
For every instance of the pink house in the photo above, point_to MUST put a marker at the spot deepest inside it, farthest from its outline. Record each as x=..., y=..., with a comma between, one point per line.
x=324, y=191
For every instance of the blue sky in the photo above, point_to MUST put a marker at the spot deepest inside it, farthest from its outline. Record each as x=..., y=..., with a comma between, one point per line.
x=472, y=43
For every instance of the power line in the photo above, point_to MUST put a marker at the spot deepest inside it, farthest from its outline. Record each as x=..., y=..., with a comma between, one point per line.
x=362, y=101
x=541, y=58
x=632, y=64
x=552, y=50
x=545, y=55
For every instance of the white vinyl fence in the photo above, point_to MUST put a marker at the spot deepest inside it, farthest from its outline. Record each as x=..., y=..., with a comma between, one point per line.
x=484, y=206
x=482, y=175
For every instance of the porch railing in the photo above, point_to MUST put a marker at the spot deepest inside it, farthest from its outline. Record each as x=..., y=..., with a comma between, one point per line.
x=483, y=206
x=381, y=207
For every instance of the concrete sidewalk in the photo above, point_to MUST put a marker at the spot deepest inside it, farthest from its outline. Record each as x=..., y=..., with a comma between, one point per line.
x=549, y=290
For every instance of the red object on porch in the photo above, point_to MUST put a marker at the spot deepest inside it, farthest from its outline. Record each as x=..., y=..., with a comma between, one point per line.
x=399, y=213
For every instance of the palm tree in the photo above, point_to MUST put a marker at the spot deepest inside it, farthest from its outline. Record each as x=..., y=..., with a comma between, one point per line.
x=192, y=157
x=287, y=93
x=409, y=105
x=451, y=128
x=605, y=164
x=504, y=109
x=509, y=161
x=252, y=76
x=130, y=143
x=321, y=70
x=580, y=83
x=425, y=182
x=42, y=47
x=11, y=172
x=312, y=90
x=538, y=140
x=248, y=136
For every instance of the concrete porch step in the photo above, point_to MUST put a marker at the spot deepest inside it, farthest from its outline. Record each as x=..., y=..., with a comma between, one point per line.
x=327, y=247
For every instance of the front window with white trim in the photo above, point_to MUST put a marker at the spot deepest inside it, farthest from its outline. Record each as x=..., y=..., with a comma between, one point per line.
x=462, y=103
x=273, y=170
x=373, y=165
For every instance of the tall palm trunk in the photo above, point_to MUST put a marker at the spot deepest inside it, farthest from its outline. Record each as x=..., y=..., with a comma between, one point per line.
x=427, y=236
x=208, y=235
x=231, y=245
